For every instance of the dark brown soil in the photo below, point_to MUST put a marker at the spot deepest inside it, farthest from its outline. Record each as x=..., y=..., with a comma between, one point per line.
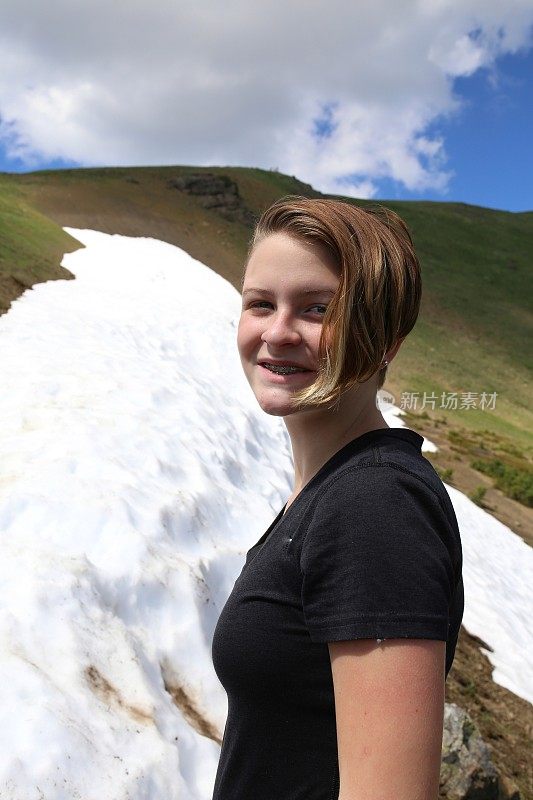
x=456, y=457
x=505, y=721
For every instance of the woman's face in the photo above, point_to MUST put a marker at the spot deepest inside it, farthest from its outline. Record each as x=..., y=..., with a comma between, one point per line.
x=287, y=287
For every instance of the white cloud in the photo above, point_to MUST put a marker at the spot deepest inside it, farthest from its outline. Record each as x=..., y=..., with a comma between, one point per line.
x=241, y=83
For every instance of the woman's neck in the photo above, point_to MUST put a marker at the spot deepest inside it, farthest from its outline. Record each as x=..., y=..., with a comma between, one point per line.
x=316, y=435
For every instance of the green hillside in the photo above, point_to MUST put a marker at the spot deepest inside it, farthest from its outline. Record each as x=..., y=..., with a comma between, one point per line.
x=475, y=320
x=31, y=245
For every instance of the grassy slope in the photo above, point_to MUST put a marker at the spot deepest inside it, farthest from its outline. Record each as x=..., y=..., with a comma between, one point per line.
x=474, y=323
x=31, y=245
x=471, y=335
x=476, y=316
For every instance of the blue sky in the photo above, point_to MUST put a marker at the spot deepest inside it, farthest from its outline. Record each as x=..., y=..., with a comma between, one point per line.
x=418, y=100
x=489, y=143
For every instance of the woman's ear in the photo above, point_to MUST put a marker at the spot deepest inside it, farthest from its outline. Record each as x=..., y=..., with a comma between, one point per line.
x=389, y=355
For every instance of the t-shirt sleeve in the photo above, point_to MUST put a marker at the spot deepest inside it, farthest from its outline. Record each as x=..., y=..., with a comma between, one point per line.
x=376, y=560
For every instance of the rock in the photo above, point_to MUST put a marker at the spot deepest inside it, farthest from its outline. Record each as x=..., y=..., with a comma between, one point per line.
x=467, y=771
x=217, y=192
x=508, y=789
x=204, y=183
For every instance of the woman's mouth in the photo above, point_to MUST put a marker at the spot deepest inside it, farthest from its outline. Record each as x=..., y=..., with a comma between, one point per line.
x=279, y=373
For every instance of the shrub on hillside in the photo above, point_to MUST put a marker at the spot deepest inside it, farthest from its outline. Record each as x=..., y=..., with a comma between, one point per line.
x=514, y=482
x=477, y=495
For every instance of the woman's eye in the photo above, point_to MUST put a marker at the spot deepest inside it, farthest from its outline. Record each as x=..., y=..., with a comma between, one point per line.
x=260, y=303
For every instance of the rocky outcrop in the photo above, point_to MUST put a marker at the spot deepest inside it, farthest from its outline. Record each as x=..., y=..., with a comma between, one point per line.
x=217, y=192
x=467, y=771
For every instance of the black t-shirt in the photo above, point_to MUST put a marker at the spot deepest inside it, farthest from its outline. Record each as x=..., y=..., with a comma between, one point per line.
x=369, y=549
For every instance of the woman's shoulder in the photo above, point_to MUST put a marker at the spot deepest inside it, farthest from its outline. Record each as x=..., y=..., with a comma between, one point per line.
x=390, y=482
x=385, y=457
x=382, y=476
x=389, y=509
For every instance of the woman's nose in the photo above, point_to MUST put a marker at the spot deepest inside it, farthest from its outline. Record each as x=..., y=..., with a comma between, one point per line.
x=281, y=329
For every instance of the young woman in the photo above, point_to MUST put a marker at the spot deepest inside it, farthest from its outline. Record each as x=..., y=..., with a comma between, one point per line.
x=338, y=635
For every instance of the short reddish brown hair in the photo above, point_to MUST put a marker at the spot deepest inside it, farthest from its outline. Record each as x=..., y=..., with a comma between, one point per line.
x=378, y=298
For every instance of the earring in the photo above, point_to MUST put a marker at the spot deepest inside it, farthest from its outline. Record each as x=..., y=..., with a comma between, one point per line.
x=384, y=363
